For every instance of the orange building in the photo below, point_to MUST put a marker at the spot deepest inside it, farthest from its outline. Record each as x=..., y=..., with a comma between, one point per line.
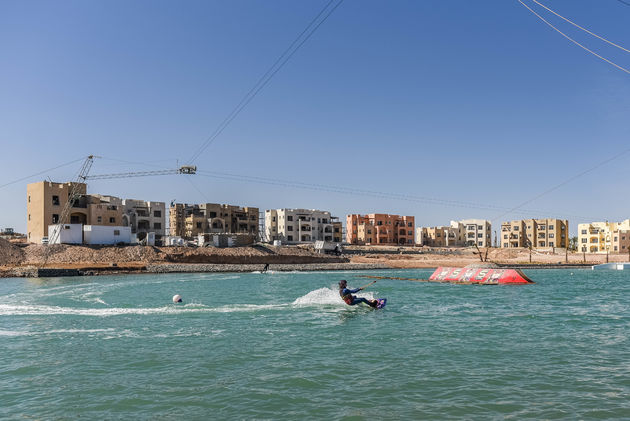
x=380, y=229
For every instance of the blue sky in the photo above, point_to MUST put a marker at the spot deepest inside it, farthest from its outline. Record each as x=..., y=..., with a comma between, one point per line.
x=461, y=101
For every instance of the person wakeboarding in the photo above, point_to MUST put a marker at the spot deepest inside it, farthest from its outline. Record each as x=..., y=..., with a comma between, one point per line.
x=348, y=298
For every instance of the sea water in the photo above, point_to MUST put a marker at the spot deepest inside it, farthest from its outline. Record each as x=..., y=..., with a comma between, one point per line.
x=284, y=346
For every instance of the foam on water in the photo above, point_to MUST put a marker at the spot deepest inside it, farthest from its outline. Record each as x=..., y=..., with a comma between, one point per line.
x=43, y=310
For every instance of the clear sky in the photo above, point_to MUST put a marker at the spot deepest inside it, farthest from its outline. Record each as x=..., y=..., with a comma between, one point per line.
x=468, y=102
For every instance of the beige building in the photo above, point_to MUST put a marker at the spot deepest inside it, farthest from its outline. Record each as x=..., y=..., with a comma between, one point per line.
x=380, y=229
x=460, y=233
x=539, y=233
x=144, y=217
x=188, y=221
x=301, y=226
x=476, y=231
x=604, y=237
x=46, y=200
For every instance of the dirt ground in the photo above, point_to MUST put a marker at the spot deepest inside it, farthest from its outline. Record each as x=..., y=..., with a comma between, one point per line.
x=81, y=256
x=460, y=257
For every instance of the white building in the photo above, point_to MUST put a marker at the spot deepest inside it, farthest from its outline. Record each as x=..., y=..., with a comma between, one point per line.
x=298, y=225
x=105, y=234
x=477, y=231
x=69, y=234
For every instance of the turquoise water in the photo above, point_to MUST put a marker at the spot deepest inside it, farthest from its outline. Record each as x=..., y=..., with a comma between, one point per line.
x=271, y=346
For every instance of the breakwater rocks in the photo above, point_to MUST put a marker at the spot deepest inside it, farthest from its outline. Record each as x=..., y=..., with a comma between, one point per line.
x=174, y=268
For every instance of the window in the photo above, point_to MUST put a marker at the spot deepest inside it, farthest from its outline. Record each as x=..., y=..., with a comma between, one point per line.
x=584, y=240
x=198, y=224
x=29, y=201
x=55, y=200
x=324, y=220
x=541, y=244
x=369, y=231
x=593, y=240
x=112, y=220
x=289, y=227
x=409, y=232
x=157, y=225
x=480, y=243
x=409, y=224
x=319, y=220
x=289, y=217
x=480, y=235
x=480, y=227
x=116, y=232
x=379, y=223
x=551, y=235
x=515, y=228
x=29, y=216
x=551, y=244
x=99, y=219
x=505, y=245
x=615, y=248
x=616, y=239
x=55, y=218
x=157, y=214
x=505, y=237
x=290, y=238
x=583, y=232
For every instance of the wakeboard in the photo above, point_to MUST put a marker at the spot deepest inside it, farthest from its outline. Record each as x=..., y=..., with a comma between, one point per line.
x=381, y=302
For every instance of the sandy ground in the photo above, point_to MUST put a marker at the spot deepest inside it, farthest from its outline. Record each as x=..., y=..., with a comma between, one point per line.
x=137, y=257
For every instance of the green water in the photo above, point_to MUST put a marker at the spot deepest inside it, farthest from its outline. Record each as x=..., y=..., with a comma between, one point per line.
x=283, y=346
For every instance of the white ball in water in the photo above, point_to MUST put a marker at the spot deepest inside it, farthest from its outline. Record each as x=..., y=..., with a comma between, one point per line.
x=177, y=298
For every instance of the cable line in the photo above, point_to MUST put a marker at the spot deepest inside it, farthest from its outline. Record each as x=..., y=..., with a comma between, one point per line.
x=574, y=41
x=269, y=74
x=41, y=172
x=367, y=193
x=567, y=181
x=578, y=26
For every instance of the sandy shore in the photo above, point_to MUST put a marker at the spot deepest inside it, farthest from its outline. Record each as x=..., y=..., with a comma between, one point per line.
x=25, y=260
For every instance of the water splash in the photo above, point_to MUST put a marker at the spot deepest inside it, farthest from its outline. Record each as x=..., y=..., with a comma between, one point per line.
x=326, y=296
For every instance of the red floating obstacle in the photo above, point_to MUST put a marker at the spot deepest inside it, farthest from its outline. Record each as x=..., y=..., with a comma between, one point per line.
x=485, y=276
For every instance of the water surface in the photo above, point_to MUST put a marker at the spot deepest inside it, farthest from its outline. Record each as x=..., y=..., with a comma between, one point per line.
x=283, y=345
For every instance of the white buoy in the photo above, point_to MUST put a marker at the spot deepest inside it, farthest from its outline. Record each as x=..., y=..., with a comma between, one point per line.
x=177, y=298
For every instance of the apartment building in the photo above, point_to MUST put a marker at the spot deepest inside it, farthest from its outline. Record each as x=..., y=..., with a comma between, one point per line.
x=190, y=220
x=46, y=200
x=144, y=217
x=476, y=231
x=295, y=226
x=604, y=237
x=434, y=236
x=537, y=233
x=337, y=230
x=380, y=229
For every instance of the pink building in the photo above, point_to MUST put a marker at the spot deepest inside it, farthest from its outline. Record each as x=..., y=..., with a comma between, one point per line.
x=380, y=229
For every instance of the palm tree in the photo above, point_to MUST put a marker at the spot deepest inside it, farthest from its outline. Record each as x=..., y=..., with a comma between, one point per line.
x=573, y=243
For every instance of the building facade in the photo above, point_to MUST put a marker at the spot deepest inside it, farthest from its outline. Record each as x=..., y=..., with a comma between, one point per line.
x=604, y=237
x=535, y=233
x=294, y=226
x=190, y=220
x=144, y=217
x=476, y=232
x=46, y=200
x=380, y=229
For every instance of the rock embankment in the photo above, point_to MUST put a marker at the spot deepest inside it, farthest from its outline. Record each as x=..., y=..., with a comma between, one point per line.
x=175, y=268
